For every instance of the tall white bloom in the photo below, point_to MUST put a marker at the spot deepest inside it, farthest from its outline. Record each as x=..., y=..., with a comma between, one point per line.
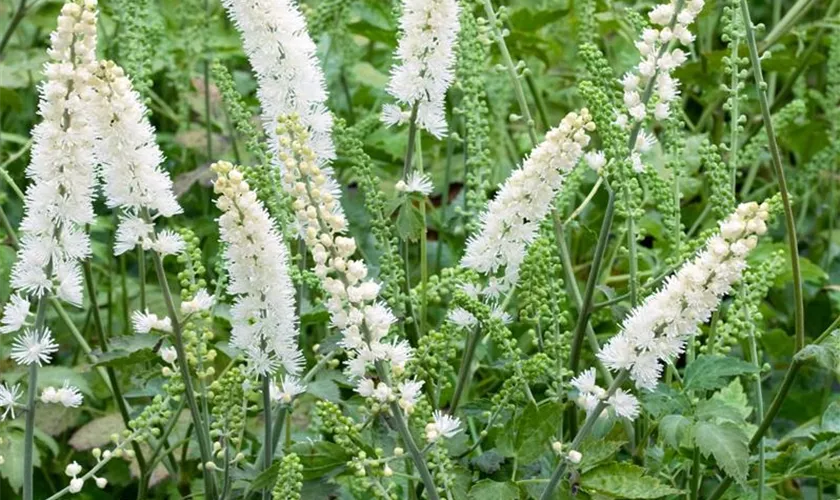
x=289, y=77
x=429, y=29
x=442, y=426
x=263, y=314
x=353, y=298
x=660, y=59
x=130, y=161
x=512, y=218
x=14, y=314
x=656, y=331
x=34, y=346
x=59, y=199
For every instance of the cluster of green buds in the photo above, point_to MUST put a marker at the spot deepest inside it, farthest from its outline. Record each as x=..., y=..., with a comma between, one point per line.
x=372, y=475
x=721, y=188
x=141, y=28
x=196, y=304
x=343, y=430
x=289, y=479
x=229, y=403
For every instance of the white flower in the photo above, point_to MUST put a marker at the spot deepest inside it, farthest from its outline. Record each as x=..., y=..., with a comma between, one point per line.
x=624, y=404
x=290, y=387
x=512, y=218
x=101, y=482
x=409, y=394
x=15, y=314
x=417, y=183
x=443, y=425
x=595, y=159
x=8, y=399
x=656, y=331
x=202, y=301
x=130, y=161
x=462, y=318
x=59, y=199
x=574, y=456
x=428, y=29
x=289, y=78
x=73, y=469
x=167, y=242
x=76, y=485
x=34, y=346
x=145, y=322
x=169, y=354
x=263, y=314
x=67, y=395
x=585, y=382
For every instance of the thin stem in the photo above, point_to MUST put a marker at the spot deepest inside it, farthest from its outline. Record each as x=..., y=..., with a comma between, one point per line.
x=465, y=368
x=517, y=84
x=591, y=418
x=141, y=271
x=201, y=430
x=586, y=200
x=18, y=16
x=694, y=487
x=424, y=260
x=793, y=248
x=759, y=404
x=32, y=389
x=268, y=453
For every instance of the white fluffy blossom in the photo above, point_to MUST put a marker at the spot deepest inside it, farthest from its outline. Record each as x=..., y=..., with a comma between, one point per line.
x=201, y=301
x=462, y=318
x=289, y=387
x=352, y=297
x=67, y=395
x=263, y=314
x=442, y=426
x=656, y=331
x=289, y=78
x=15, y=314
x=416, y=183
x=426, y=54
x=590, y=394
x=59, y=199
x=34, y=346
x=130, y=163
x=660, y=59
x=409, y=394
x=169, y=354
x=9, y=395
x=145, y=322
x=513, y=217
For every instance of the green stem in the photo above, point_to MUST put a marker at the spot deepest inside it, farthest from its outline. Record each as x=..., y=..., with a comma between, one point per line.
x=465, y=368
x=424, y=260
x=268, y=452
x=31, y=400
x=591, y=418
x=201, y=430
x=793, y=248
x=18, y=16
x=141, y=271
x=694, y=487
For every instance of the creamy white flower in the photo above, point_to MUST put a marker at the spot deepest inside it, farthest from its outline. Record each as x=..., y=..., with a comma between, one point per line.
x=73, y=469
x=574, y=456
x=416, y=183
x=130, y=161
x=169, y=354
x=263, y=314
x=656, y=331
x=290, y=386
x=624, y=404
x=595, y=159
x=14, y=314
x=409, y=391
x=201, y=301
x=442, y=426
x=512, y=218
x=59, y=199
x=426, y=55
x=585, y=382
x=101, y=482
x=66, y=395
x=167, y=242
x=9, y=395
x=145, y=322
x=290, y=80
x=462, y=318
x=76, y=485
x=34, y=346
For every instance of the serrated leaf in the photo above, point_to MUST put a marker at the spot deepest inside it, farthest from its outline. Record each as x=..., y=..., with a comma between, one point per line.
x=320, y=457
x=676, y=430
x=488, y=462
x=128, y=350
x=535, y=429
x=595, y=451
x=734, y=395
x=709, y=372
x=830, y=421
x=664, y=400
x=823, y=356
x=717, y=410
x=487, y=489
x=624, y=480
x=728, y=444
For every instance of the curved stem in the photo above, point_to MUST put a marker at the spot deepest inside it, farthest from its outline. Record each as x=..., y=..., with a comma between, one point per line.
x=790, y=225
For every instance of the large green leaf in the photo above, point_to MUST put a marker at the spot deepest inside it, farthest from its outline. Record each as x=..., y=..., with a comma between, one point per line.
x=128, y=350
x=728, y=444
x=320, y=457
x=535, y=429
x=712, y=372
x=12, y=452
x=624, y=480
x=830, y=421
x=676, y=430
x=487, y=489
x=596, y=451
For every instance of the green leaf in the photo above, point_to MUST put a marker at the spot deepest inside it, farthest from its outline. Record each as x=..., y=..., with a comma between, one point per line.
x=12, y=451
x=128, y=350
x=830, y=421
x=734, y=395
x=716, y=410
x=712, y=372
x=488, y=462
x=319, y=458
x=823, y=355
x=487, y=489
x=676, y=430
x=56, y=375
x=97, y=433
x=728, y=444
x=664, y=400
x=595, y=451
x=624, y=480
x=535, y=429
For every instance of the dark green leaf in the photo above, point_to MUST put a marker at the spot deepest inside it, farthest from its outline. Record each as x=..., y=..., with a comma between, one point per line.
x=728, y=444
x=624, y=480
x=487, y=489
x=712, y=372
x=319, y=457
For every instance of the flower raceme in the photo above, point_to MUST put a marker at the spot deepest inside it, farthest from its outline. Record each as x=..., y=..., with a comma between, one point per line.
x=513, y=217
x=659, y=60
x=656, y=331
x=426, y=55
x=263, y=314
x=130, y=163
x=353, y=297
x=59, y=200
x=282, y=55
